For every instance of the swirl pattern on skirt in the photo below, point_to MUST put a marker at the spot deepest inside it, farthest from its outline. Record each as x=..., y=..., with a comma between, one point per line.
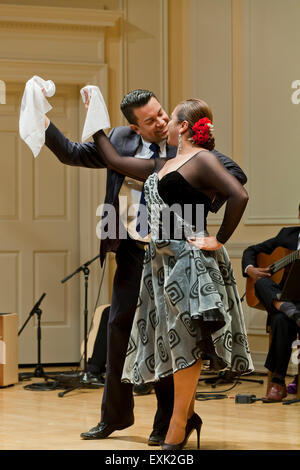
x=162, y=350
x=154, y=318
x=142, y=327
x=173, y=338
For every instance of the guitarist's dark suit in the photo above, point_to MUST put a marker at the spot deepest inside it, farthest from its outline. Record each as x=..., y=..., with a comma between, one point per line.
x=284, y=331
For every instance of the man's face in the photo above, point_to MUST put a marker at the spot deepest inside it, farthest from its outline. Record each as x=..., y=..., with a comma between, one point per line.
x=152, y=121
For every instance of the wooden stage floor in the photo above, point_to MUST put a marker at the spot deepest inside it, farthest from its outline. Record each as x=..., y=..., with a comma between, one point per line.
x=40, y=420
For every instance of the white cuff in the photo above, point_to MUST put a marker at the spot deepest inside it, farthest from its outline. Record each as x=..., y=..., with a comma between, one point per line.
x=249, y=266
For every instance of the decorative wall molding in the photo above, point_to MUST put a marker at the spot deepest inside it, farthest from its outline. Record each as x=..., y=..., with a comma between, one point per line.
x=41, y=15
x=50, y=28
x=71, y=73
x=265, y=220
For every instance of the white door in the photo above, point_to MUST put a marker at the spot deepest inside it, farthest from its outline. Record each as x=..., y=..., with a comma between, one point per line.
x=39, y=234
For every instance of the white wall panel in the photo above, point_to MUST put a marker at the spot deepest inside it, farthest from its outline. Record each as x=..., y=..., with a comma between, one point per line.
x=211, y=64
x=9, y=282
x=49, y=269
x=271, y=120
x=9, y=187
x=145, y=47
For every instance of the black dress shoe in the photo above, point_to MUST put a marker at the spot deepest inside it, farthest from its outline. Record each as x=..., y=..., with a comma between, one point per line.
x=156, y=438
x=103, y=430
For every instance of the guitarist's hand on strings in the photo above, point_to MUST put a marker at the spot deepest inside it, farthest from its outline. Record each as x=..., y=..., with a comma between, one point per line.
x=257, y=273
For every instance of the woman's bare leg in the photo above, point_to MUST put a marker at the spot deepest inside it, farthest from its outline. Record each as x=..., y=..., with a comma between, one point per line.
x=191, y=410
x=185, y=383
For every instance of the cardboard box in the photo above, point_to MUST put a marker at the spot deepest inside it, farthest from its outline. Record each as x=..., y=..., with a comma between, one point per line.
x=8, y=349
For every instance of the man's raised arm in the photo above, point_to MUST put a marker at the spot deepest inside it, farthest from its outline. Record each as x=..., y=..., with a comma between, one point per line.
x=72, y=153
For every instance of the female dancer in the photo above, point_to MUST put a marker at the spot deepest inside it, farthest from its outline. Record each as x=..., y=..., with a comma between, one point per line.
x=188, y=306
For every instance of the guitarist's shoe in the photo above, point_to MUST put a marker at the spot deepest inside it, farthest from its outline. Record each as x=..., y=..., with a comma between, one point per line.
x=292, y=310
x=275, y=393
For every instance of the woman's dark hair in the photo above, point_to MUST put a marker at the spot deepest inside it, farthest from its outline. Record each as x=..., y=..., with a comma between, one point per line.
x=191, y=111
x=135, y=99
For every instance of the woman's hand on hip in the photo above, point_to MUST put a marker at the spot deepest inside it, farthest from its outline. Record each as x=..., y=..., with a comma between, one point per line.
x=206, y=243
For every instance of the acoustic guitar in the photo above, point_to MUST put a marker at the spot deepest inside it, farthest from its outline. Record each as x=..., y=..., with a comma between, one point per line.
x=279, y=259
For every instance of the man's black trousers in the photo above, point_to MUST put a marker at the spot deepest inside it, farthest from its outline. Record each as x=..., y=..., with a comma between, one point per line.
x=117, y=402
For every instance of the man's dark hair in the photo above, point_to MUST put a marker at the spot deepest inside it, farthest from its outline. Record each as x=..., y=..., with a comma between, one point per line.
x=135, y=99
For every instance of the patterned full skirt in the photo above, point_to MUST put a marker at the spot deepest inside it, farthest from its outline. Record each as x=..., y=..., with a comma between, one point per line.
x=181, y=283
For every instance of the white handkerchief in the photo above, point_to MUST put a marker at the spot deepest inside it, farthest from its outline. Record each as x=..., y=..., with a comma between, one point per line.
x=34, y=106
x=97, y=117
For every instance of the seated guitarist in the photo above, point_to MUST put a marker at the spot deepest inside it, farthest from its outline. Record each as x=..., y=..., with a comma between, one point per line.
x=284, y=317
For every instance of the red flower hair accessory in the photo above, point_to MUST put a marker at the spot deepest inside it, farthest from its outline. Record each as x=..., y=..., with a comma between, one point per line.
x=202, y=131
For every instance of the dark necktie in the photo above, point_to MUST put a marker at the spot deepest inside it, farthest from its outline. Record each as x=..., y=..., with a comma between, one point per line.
x=144, y=230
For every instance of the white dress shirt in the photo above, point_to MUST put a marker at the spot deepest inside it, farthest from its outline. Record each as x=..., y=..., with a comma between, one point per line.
x=131, y=191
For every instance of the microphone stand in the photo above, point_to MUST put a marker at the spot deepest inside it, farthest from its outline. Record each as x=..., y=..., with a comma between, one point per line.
x=38, y=371
x=84, y=379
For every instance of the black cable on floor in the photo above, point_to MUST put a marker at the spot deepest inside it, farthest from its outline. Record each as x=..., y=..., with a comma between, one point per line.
x=216, y=396
x=201, y=396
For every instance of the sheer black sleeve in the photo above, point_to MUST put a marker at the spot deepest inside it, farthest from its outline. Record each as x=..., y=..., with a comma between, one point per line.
x=235, y=170
x=136, y=168
x=205, y=172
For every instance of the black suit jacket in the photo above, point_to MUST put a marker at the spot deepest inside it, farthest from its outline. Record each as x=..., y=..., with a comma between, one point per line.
x=126, y=143
x=287, y=238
